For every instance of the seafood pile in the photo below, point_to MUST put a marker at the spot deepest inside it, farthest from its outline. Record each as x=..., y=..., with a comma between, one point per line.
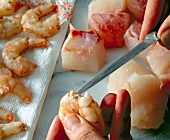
x=28, y=34
x=108, y=19
x=120, y=26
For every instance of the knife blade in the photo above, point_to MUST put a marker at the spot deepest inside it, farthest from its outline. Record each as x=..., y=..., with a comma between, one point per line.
x=149, y=39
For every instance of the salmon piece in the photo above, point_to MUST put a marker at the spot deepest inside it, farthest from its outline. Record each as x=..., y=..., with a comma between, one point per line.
x=83, y=51
x=106, y=6
x=111, y=27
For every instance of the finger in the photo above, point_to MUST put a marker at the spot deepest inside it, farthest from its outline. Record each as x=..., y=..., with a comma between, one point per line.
x=107, y=106
x=164, y=32
x=56, y=130
x=78, y=128
x=153, y=12
x=121, y=123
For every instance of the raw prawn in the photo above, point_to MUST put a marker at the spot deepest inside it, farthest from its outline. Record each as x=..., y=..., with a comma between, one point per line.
x=31, y=21
x=8, y=7
x=73, y=103
x=12, y=128
x=11, y=85
x=6, y=115
x=11, y=54
x=11, y=27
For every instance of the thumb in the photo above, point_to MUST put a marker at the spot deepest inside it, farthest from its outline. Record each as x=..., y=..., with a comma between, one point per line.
x=164, y=32
x=78, y=128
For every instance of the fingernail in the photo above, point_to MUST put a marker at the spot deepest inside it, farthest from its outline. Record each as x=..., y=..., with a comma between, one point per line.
x=166, y=37
x=71, y=122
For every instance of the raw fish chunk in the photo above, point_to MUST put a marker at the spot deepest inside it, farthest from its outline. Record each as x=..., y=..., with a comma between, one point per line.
x=83, y=51
x=137, y=7
x=111, y=27
x=106, y=6
x=122, y=74
x=131, y=38
x=148, y=102
x=159, y=61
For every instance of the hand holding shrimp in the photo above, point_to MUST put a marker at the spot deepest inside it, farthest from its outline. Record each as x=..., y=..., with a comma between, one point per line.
x=76, y=127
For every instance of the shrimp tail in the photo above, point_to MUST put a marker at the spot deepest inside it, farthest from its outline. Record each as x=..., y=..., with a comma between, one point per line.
x=37, y=42
x=6, y=115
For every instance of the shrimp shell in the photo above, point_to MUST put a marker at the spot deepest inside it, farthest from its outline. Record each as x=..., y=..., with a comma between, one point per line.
x=6, y=115
x=83, y=105
x=31, y=21
x=11, y=27
x=12, y=128
x=8, y=7
x=11, y=54
x=11, y=85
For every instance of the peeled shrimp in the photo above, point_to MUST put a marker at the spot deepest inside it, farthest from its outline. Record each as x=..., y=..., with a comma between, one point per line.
x=6, y=115
x=11, y=54
x=4, y=70
x=8, y=7
x=31, y=21
x=83, y=105
x=11, y=129
x=11, y=85
x=11, y=27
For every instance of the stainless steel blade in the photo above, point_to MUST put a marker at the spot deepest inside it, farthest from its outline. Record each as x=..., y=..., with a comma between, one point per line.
x=149, y=39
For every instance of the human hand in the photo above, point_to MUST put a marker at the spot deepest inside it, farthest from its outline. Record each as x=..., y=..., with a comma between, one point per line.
x=154, y=8
x=77, y=127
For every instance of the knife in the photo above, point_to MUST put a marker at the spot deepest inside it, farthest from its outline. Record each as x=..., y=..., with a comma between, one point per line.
x=149, y=39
